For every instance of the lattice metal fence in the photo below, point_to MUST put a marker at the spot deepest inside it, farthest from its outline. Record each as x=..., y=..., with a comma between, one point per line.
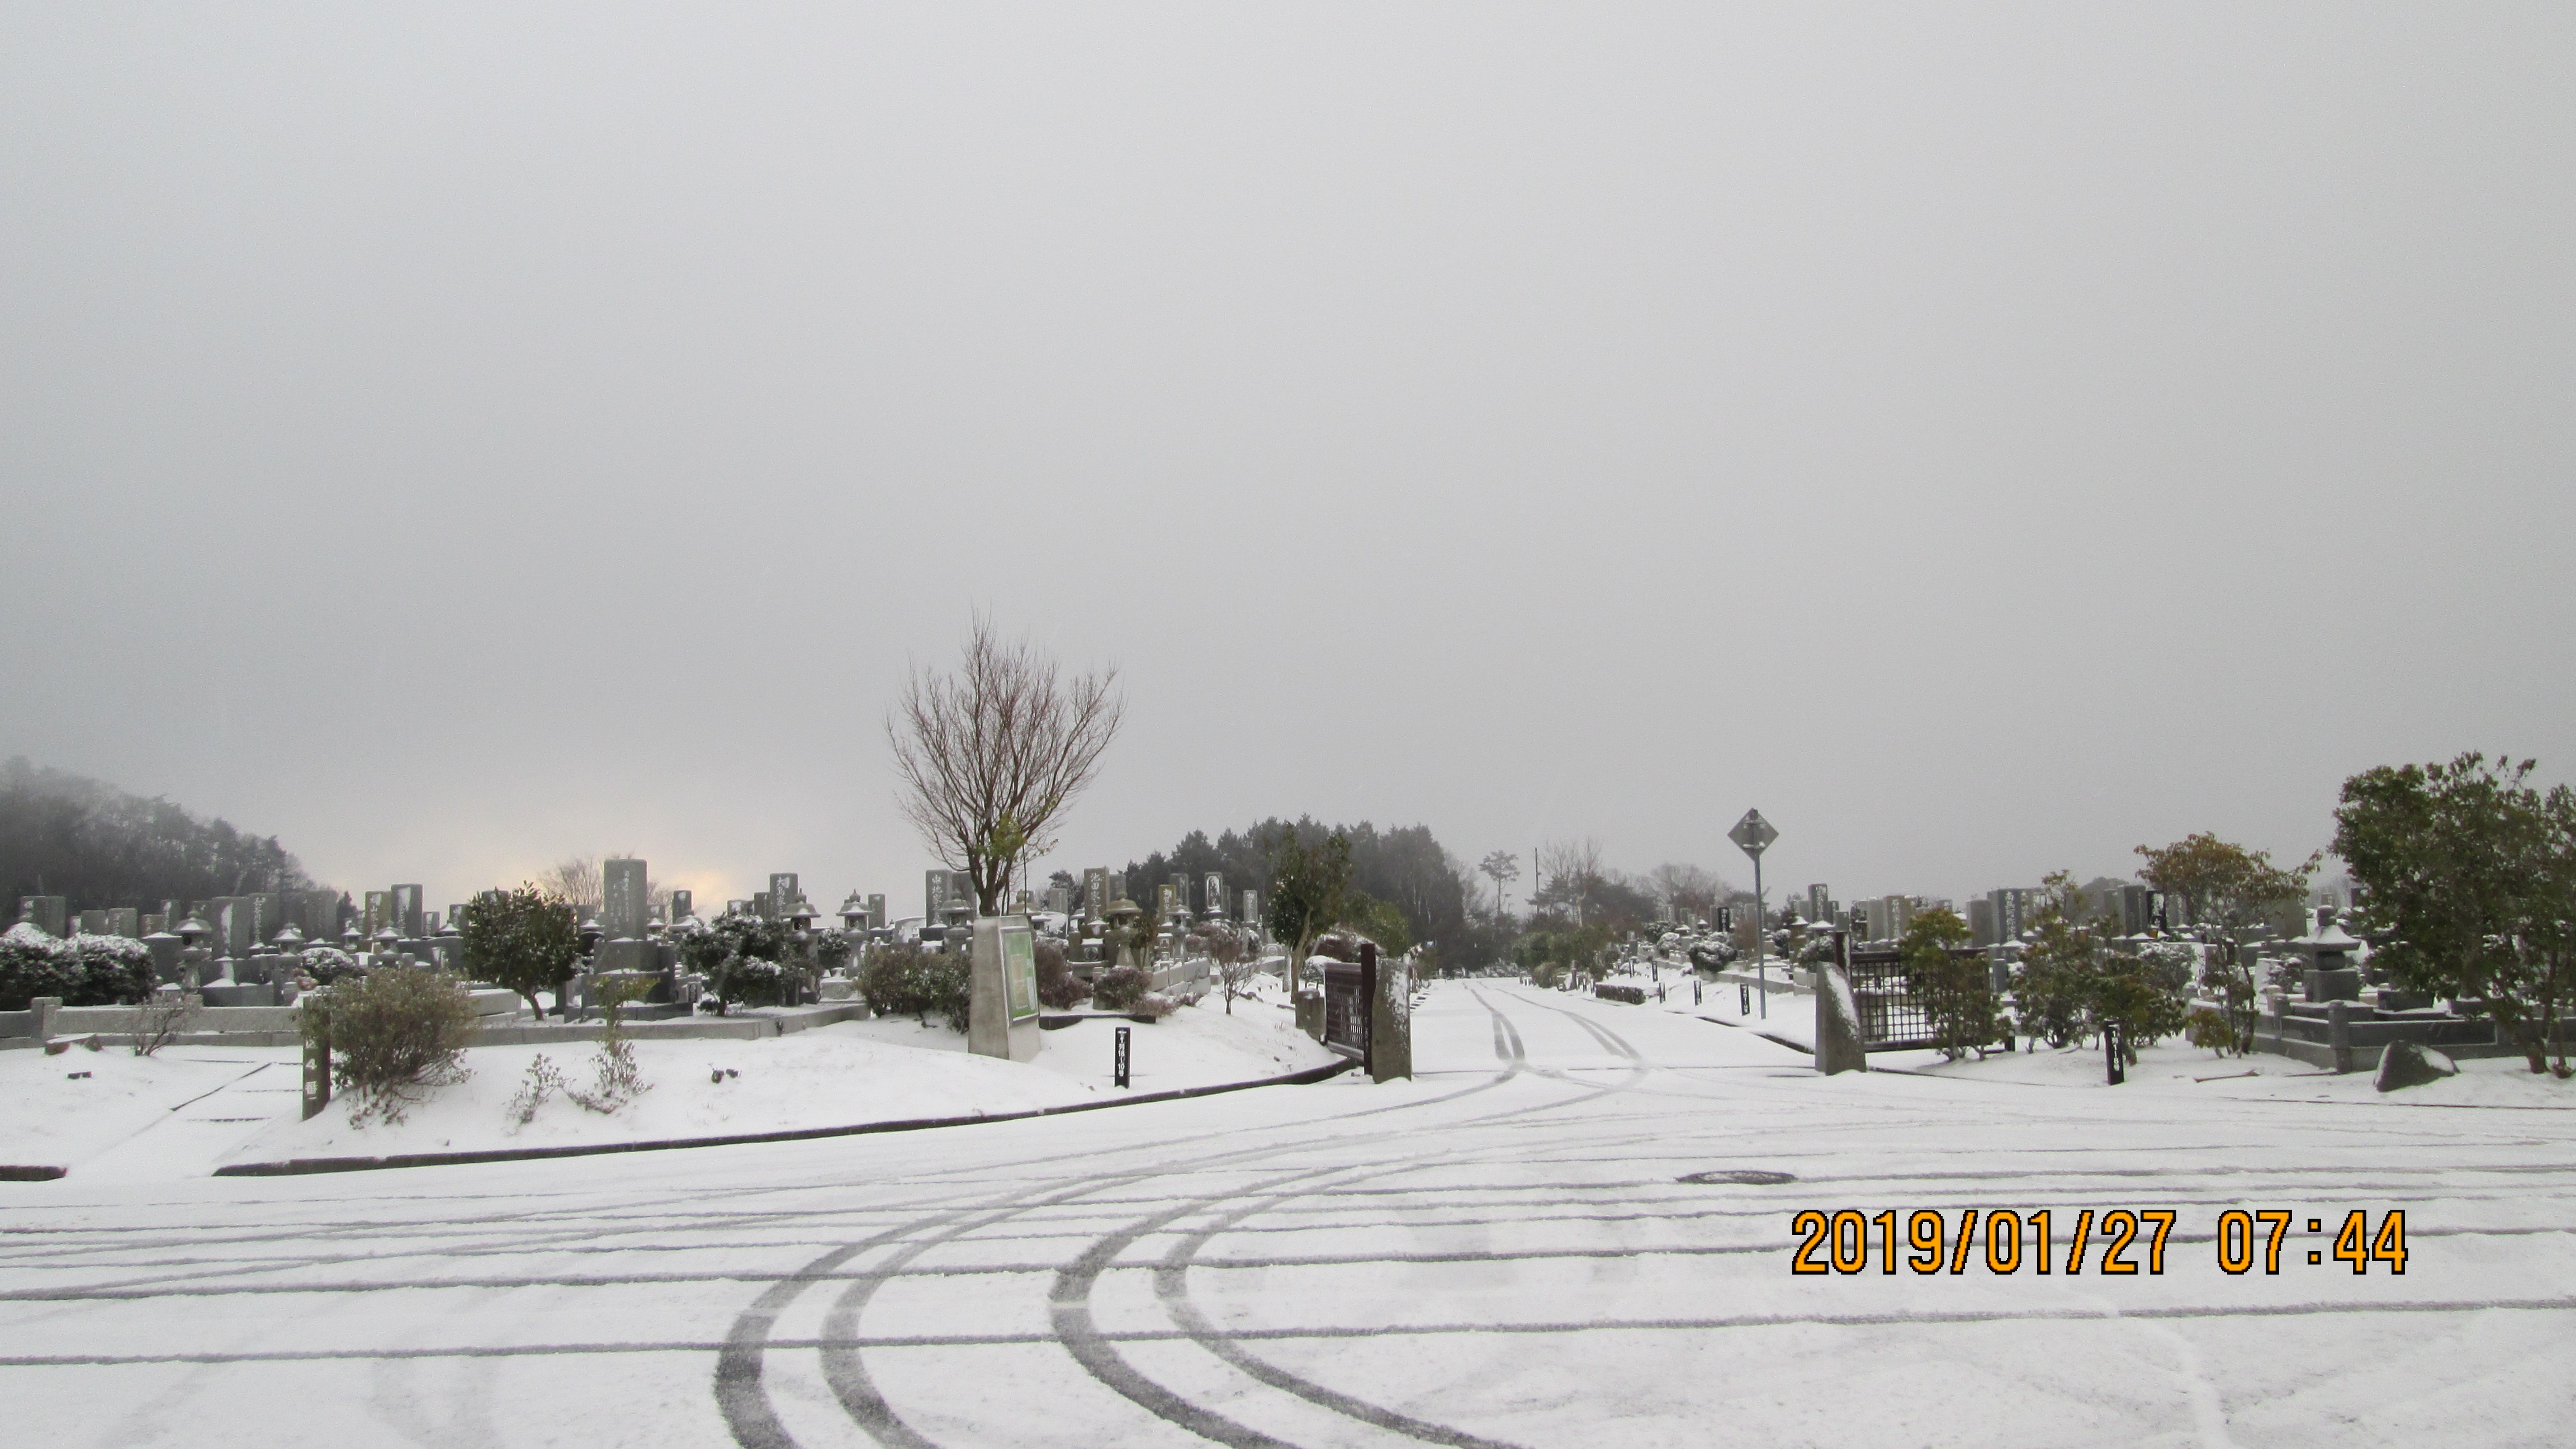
x=1893, y=1015
x=1897, y=1012
x=1346, y=1009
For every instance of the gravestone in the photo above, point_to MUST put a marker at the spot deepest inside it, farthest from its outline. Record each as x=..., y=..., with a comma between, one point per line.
x=1002, y=990
x=764, y=905
x=235, y=925
x=784, y=896
x=934, y=897
x=1251, y=907
x=876, y=913
x=1095, y=894
x=1165, y=902
x=93, y=923
x=45, y=913
x=622, y=913
x=683, y=906
x=267, y=915
x=378, y=914
x=1215, y=896
x=1060, y=900
x=126, y=921
x=405, y=909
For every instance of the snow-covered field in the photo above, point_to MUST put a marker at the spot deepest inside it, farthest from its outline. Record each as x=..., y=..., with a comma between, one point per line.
x=1576, y=1226
x=188, y=1109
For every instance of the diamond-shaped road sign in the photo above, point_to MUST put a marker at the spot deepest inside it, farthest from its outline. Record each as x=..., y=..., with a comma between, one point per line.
x=1753, y=834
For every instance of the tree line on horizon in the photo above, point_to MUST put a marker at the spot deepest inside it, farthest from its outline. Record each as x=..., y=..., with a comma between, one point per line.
x=63, y=834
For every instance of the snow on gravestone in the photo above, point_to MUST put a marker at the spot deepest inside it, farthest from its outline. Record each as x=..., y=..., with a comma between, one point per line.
x=1838, y=1039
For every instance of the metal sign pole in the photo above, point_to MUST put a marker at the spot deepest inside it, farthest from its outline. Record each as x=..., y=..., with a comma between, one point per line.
x=1753, y=835
x=1119, y=1066
x=1761, y=968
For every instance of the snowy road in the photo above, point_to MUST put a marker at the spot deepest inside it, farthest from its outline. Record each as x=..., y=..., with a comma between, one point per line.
x=1503, y=1251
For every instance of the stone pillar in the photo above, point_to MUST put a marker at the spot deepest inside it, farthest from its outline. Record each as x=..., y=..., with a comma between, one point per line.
x=1838, y=1039
x=1390, y=1021
x=1002, y=989
x=2339, y=1034
x=40, y=1016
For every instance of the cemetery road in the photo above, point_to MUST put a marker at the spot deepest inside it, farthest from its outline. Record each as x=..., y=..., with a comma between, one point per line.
x=1574, y=1227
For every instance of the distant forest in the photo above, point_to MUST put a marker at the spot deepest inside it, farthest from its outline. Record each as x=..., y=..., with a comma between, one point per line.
x=66, y=835
x=1403, y=868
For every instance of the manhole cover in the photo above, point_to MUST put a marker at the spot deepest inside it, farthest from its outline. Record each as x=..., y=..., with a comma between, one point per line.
x=1746, y=1175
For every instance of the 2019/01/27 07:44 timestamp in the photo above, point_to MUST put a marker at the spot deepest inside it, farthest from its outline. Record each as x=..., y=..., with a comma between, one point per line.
x=2128, y=1240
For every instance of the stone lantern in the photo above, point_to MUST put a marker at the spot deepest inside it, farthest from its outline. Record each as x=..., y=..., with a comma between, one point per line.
x=1123, y=917
x=2329, y=953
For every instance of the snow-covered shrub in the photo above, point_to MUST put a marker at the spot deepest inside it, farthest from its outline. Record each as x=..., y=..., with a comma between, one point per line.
x=904, y=980
x=749, y=981
x=1058, y=987
x=1633, y=995
x=33, y=964
x=327, y=964
x=1119, y=988
x=832, y=949
x=2207, y=1027
x=113, y=970
x=396, y=1032
x=1154, y=1004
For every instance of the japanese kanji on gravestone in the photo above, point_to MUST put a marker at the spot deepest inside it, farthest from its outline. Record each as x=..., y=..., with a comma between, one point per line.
x=623, y=911
x=1215, y=896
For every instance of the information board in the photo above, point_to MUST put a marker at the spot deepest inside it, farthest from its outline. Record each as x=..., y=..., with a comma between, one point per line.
x=1020, y=972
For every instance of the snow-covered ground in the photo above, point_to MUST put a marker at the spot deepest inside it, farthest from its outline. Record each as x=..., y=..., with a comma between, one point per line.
x=1577, y=1226
x=186, y=1110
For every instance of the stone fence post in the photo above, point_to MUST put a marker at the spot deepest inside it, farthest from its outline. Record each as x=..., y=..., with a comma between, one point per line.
x=40, y=1017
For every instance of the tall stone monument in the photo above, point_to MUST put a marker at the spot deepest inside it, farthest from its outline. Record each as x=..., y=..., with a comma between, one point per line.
x=1002, y=990
x=406, y=910
x=624, y=908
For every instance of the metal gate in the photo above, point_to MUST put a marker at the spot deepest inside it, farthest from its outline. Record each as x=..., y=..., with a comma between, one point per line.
x=1897, y=1012
x=1349, y=994
x=1893, y=1016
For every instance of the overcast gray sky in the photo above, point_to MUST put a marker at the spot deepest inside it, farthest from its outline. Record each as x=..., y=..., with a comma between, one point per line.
x=1985, y=438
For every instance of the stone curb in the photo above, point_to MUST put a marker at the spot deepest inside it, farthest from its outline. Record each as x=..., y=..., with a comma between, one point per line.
x=299, y=1165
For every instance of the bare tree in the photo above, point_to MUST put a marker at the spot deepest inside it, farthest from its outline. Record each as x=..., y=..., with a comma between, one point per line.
x=1685, y=888
x=991, y=755
x=1568, y=870
x=577, y=879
